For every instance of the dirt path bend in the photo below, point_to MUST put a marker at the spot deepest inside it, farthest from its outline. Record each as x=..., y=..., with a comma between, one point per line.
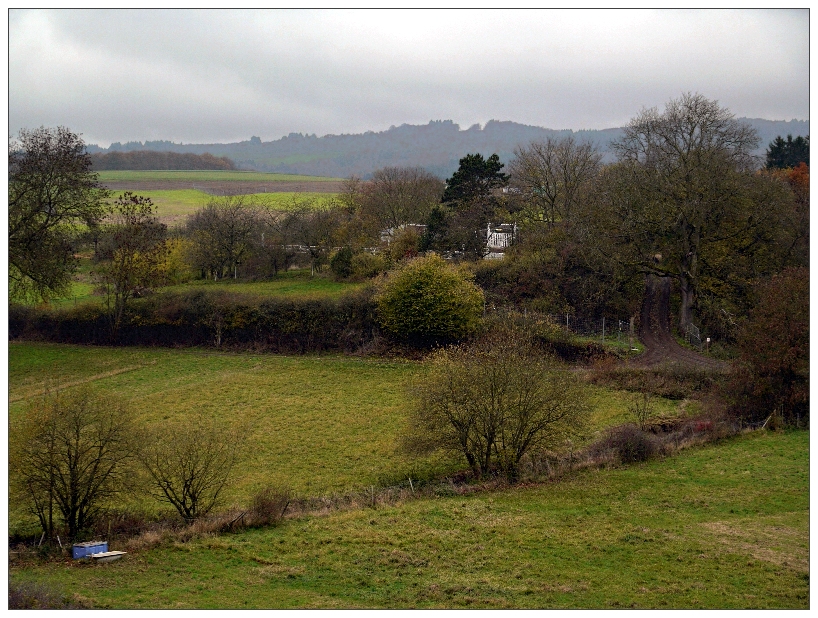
x=654, y=332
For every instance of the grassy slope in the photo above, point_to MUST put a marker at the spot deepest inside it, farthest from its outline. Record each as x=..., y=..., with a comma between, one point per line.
x=205, y=175
x=319, y=424
x=725, y=526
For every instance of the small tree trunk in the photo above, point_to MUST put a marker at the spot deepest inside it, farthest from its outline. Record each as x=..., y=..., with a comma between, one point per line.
x=688, y=299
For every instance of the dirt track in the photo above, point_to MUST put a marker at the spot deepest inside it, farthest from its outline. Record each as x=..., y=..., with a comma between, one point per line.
x=654, y=332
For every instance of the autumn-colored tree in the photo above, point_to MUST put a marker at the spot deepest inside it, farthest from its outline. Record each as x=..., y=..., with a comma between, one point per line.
x=132, y=254
x=772, y=376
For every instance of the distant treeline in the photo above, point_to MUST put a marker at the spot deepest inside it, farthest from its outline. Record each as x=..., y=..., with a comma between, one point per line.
x=437, y=147
x=153, y=160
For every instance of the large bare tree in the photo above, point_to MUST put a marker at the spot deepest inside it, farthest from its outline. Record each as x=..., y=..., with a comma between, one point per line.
x=551, y=174
x=69, y=457
x=399, y=195
x=682, y=190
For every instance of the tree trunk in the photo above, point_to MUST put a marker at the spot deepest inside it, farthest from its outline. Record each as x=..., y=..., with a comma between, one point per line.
x=688, y=299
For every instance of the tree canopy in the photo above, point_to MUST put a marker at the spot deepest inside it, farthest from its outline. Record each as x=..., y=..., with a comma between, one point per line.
x=474, y=179
x=52, y=190
x=683, y=197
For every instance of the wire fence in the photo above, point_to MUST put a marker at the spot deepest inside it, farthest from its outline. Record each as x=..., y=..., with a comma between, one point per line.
x=613, y=329
x=604, y=329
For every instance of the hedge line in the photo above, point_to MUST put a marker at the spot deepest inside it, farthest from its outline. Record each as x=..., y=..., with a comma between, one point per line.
x=216, y=319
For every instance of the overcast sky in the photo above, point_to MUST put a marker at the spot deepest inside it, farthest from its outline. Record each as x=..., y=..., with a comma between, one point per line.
x=223, y=76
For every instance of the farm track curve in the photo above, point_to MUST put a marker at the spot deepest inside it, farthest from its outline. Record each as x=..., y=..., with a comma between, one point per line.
x=654, y=332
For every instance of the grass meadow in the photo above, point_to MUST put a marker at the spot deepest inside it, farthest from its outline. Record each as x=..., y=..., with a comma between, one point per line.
x=721, y=526
x=174, y=206
x=319, y=424
x=292, y=284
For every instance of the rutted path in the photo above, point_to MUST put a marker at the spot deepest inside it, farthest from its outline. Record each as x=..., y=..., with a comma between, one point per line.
x=654, y=332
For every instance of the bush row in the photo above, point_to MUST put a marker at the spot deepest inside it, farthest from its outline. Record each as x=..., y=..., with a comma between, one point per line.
x=216, y=319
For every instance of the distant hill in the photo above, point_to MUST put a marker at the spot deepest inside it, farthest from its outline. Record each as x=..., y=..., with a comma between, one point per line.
x=437, y=146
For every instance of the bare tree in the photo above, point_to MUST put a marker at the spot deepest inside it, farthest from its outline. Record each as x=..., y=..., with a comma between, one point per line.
x=552, y=174
x=493, y=401
x=222, y=233
x=69, y=457
x=190, y=464
x=315, y=228
x=396, y=196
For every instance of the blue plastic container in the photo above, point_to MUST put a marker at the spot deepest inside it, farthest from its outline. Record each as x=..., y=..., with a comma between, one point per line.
x=84, y=550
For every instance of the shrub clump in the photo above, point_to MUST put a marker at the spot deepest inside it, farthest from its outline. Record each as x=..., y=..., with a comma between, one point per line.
x=427, y=300
x=269, y=505
x=630, y=444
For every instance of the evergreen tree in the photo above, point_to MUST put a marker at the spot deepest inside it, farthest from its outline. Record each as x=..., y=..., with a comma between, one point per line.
x=786, y=154
x=475, y=179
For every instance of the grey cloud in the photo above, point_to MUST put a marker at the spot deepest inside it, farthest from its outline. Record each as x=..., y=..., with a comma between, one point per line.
x=198, y=76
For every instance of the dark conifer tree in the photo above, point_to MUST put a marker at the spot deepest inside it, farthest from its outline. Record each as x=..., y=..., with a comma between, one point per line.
x=783, y=154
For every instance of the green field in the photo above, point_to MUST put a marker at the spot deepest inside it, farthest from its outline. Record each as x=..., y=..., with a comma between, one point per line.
x=174, y=206
x=205, y=176
x=724, y=526
x=318, y=424
x=292, y=284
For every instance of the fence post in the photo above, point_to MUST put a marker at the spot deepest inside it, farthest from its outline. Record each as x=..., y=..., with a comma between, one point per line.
x=630, y=336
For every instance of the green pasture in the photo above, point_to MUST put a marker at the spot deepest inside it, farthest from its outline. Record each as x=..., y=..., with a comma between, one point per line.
x=174, y=206
x=205, y=176
x=292, y=284
x=723, y=526
x=320, y=424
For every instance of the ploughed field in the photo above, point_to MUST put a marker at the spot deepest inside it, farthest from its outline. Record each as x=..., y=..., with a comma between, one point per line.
x=722, y=526
x=233, y=181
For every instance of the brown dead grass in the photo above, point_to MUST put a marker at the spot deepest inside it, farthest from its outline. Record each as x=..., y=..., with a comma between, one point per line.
x=765, y=539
